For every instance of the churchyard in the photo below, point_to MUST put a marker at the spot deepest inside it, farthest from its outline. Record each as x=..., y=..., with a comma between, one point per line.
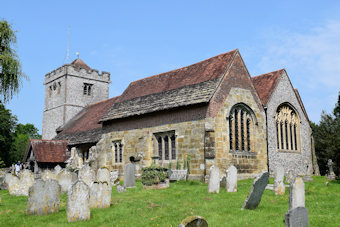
x=168, y=207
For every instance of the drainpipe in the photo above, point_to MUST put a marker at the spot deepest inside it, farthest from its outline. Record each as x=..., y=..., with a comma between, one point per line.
x=265, y=111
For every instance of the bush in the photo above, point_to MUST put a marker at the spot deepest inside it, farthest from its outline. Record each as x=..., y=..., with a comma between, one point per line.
x=154, y=175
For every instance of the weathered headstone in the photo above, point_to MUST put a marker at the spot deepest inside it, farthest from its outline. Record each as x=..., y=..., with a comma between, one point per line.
x=279, y=185
x=214, y=180
x=87, y=174
x=290, y=176
x=100, y=195
x=114, y=177
x=48, y=175
x=19, y=186
x=231, y=178
x=74, y=162
x=65, y=179
x=121, y=189
x=43, y=197
x=178, y=174
x=3, y=184
x=13, y=183
x=193, y=221
x=297, y=217
x=129, y=175
x=103, y=175
x=309, y=171
x=297, y=193
x=331, y=175
x=57, y=169
x=78, y=202
x=256, y=191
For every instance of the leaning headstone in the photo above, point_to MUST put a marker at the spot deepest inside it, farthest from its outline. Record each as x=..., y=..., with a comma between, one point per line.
x=65, y=179
x=256, y=191
x=231, y=185
x=192, y=221
x=297, y=217
x=121, y=189
x=113, y=177
x=214, y=180
x=43, y=197
x=78, y=202
x=129, y=175
x=87, y=174
x=331, y=175
x=100, y=195
x=279, y=185
x=103, y=175
x=297, y=193
x=290, y=176
x=48, y=175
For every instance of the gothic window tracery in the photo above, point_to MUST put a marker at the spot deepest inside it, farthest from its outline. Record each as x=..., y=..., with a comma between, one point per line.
x=166, y=145
x=240, y=128
x=287, y=128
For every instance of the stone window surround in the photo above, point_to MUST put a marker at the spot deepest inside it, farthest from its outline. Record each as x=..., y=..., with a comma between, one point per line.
x=87, y=89
x=297, y=121
x=253, y=123
x=161, y=135
x=116, y=155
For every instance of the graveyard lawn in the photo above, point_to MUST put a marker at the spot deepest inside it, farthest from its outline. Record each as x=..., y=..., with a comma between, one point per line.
x=168, y=207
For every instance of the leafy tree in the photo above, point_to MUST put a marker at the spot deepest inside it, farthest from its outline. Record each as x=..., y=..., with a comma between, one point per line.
x=327, y=139
x=11, y=74
x=7, y=127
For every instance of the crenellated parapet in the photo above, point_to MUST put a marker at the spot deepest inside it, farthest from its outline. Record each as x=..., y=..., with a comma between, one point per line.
x=69, y=69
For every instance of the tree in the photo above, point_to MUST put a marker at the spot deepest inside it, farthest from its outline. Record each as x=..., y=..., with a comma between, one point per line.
x=11, y=74
x=327, y=139
x=7, y=128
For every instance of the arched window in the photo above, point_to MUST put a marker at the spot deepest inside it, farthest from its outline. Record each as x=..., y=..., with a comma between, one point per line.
x=287, y=128
x=240, y=128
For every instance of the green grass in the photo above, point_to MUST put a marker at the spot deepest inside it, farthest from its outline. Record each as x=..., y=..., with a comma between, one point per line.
x=168, y=207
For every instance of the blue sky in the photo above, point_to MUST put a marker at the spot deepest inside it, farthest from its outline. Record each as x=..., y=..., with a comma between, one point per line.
x=136, y=39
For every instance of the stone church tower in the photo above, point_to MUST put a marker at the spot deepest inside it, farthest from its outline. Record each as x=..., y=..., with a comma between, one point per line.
x=68, y=90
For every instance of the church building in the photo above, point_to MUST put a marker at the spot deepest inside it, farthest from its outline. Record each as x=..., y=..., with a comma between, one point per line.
x=213, y=112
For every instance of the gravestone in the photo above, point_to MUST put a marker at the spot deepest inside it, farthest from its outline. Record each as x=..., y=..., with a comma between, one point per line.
x=103, y=175
x=193, y=221
x=3, y=184
x=114, y=177
x=231, y=185
x=57, y=169
x=331, y=175
x=178, y=174
x=297, y=193
x=121, y=189
x=100, y=195
x=214, y=180
x=13, y=183
x=256, y=191
x=65, y=179
x=297, y=217
x=48, y=175
x=309, y=171
x=78, y=202
x=74, y=162
x=223, y=182
x=43, y=197
x=279, y=186
x=129, y=175
x=290, y=176
x=20, y=186
x=87, y=174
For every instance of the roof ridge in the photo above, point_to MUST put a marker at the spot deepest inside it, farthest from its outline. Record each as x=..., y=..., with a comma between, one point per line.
x=46, y=140
x=229, y=52
x=105, y=100
x=264, y=74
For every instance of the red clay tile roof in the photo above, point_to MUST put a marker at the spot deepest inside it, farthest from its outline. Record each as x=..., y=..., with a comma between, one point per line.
x=266, y=83
x=84, y=126
x=208, y=69
x=79, y=63
x=49, y=150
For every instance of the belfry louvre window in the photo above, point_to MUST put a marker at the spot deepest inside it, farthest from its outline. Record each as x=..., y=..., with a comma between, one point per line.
x=166, y=145
x=117, y=148
x=287, y=129
x=87, y=89
x=240, y=128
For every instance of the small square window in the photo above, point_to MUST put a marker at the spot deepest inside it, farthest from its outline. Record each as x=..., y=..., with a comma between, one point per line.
x=87, y=89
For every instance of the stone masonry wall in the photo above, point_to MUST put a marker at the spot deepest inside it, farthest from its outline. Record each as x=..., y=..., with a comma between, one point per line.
x=296, y=161
x=248, y=164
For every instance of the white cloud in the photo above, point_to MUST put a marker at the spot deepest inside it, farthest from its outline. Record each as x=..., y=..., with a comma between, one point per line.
x=312, y=60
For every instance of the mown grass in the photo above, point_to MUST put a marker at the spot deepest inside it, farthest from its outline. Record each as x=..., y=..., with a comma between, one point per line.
x=168, y=207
